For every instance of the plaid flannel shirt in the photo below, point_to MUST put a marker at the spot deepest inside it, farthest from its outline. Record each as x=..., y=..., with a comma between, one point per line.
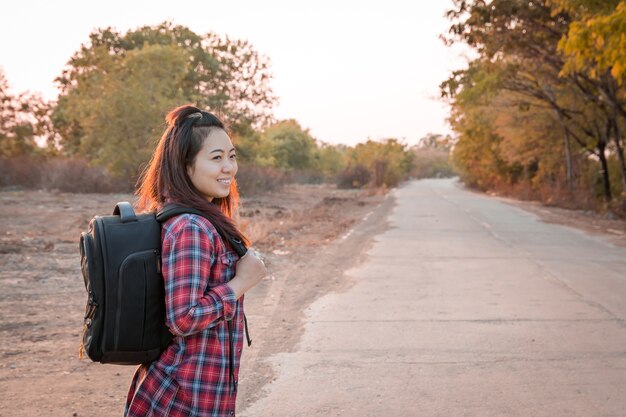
x=192, y=376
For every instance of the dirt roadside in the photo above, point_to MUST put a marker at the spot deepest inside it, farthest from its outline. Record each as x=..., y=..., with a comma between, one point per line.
x=607, y=227
x=42, y=296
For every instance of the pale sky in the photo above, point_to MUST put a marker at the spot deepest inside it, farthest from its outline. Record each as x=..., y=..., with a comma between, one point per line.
x=347, y=70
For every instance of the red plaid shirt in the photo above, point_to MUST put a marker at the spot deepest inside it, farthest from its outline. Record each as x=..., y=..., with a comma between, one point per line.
x=192, y=376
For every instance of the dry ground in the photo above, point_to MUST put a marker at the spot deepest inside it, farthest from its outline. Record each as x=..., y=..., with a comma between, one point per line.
x=613, y=230
x=42, y=296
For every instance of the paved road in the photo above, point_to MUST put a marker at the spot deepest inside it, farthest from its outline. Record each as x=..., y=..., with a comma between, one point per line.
x=465, y=306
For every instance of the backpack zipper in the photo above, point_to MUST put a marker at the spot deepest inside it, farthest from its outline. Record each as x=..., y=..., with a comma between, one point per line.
x=92, y=305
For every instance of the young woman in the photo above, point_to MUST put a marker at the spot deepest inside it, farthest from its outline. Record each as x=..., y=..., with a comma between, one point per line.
x=194, y=165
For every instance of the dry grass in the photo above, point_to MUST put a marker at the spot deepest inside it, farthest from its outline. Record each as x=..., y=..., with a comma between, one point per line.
x=306, y=215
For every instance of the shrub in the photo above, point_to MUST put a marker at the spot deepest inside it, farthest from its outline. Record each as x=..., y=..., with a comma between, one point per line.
x=76, y=176
x=387, y=161
x=430, y=163
x=304, y=176
x=354, y=177
x=22, y=171
x=252, y=179
x=72, y=175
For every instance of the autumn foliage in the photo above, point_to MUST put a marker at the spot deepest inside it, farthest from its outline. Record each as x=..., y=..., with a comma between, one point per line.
x=541, y=110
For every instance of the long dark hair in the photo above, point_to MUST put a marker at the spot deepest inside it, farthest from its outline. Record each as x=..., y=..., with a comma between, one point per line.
x=165, y=179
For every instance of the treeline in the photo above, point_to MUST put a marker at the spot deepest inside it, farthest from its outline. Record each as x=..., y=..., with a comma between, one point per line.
x=115, y=91
x=540, y=112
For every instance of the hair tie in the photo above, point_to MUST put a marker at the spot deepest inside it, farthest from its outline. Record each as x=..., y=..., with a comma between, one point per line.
x=193, y=118
x=196, y=115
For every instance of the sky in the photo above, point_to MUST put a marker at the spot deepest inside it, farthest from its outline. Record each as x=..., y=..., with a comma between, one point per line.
x=346, y=70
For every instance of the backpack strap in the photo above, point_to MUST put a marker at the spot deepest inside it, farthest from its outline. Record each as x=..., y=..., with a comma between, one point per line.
x=125, y=211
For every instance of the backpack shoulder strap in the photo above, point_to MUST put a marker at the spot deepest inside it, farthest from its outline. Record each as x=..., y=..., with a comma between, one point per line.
x=172, y=210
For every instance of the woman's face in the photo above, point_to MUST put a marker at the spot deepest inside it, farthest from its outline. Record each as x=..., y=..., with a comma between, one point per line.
x=215, y=165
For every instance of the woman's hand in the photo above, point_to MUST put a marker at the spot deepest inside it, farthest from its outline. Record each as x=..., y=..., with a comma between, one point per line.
x=250, y=271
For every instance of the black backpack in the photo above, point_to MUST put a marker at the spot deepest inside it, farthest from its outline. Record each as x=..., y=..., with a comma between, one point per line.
x=121, y=264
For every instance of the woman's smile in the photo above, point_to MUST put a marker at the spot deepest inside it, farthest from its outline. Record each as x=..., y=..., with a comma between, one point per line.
x=216, y=161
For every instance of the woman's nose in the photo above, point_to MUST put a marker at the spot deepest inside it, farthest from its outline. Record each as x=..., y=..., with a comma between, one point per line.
x=228, y=166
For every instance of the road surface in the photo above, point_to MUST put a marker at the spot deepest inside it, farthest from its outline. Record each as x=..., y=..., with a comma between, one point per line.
x=464, y=306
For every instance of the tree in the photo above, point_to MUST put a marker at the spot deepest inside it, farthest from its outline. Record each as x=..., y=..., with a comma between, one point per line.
x=431, y=156
x=225, y=75
x=330, y=160
x=475, y=154
x=388, y=160
x=517, y=41
x=292, y=146
x=436, y=142
x=116, y=89
x=19, y=126
x=595, y=45
x=254, y=148
x=596, y=40
x=520, y=67
x=114, y=119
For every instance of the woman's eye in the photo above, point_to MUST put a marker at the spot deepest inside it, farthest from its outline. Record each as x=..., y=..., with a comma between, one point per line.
x=233, y=156
x=217, y=158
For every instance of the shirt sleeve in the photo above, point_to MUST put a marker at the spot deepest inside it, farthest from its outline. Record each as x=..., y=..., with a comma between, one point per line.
x=188, y=256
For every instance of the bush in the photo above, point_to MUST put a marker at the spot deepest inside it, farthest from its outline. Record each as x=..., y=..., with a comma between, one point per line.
x=22, y=171
x=76, y=176
x=252, y=179
x=430, y=163
x=72, y=175
x=354, y=177
x=304, y=176
x=388, y=162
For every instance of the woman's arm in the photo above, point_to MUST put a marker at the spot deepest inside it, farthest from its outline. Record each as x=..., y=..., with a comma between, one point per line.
x=188, y=256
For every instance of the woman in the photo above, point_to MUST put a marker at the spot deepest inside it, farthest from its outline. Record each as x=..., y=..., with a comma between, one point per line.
x=194, y=165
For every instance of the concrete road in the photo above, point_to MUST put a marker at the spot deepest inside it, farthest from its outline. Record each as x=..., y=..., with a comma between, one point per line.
x=465, y=306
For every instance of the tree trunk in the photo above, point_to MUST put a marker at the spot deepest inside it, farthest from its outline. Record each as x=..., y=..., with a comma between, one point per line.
x=617, y=137
x=605, y=172
x=611, y=95
x=568, y=152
